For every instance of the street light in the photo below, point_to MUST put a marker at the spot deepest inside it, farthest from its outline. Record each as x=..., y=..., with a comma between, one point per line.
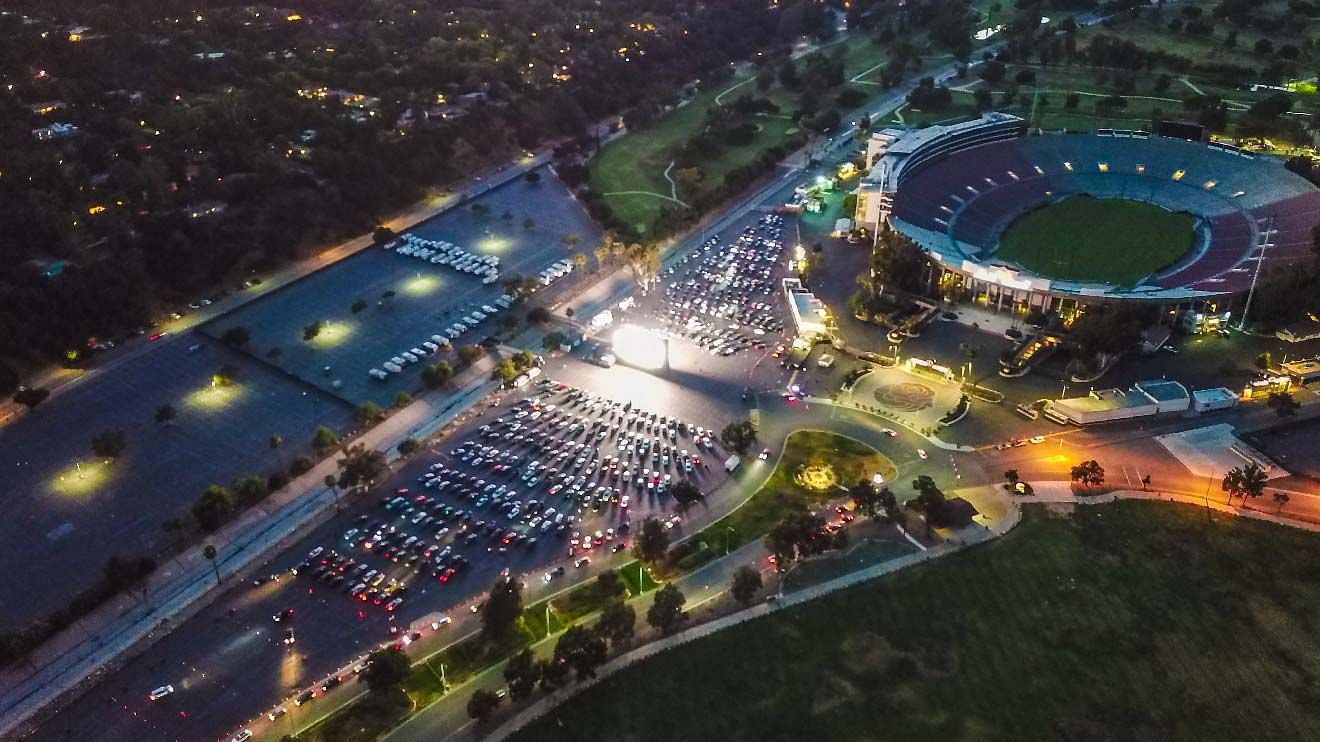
x=728, y=535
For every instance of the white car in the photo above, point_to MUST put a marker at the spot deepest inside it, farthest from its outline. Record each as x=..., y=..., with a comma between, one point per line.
x=889, y=432
x=161, y=692
x=1037, y=439
x=922, y=453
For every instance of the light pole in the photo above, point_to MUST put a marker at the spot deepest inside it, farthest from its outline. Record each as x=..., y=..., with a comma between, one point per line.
x=1210, y=479
x=728, y=536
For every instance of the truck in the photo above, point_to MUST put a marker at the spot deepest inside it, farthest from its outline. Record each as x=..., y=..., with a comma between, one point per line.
x=732, y=463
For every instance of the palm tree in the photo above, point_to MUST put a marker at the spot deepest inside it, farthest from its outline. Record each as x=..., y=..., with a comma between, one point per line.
x=1282, y=498
x=209, y=552
x=333, y=484
x=275, y=442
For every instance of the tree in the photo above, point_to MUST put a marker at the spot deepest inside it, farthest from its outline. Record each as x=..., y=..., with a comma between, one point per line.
x=553, y=674
x=108, y=444
x=888, y=504
x=1246, y=482
x=482, y=704
x=409, y=446
x=236, y=336
x=618, y=621
x=685, y=492
x=929, y=500
x=360, y=466
x=312, y=329
x=746, y=584
x=652, y=542
x=357, y=306
x=368, y=413
x=502, y=609
x=213, y=508
x=386, y=670
x=522, y=673
x=1089, y=474
x=582, y=648
x=1011, y=476
x=122, y=573
x=538, y=315
x=166, y=413
x=402, y=399
x=324, y=440
x=469, y=354
x=610, y=584
x=437, y=374
x=552, y=341
x=866, y=500
x=739, y=437
x=332, y=482
x=532, y=177
x=250, y=490
x=382, y=234
x=1283, y=404
x=797, y=534
x=209, y=553
x=666, y=611
x=505, y=371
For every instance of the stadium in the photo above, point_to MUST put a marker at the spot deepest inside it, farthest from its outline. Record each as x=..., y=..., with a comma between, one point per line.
x=1049, y=222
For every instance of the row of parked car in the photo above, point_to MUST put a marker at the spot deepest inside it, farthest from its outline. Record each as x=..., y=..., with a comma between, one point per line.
x=555, y=272
x=473, y=316
x=440, y=252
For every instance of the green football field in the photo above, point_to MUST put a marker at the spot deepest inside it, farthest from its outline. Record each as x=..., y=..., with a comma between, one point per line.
x=1091, y=239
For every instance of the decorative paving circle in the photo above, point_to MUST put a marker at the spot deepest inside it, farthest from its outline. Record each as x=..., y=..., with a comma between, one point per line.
x=817, y=476
x=907, y=396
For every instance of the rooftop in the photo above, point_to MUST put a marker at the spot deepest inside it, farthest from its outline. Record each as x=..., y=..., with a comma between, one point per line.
x=1163, y=390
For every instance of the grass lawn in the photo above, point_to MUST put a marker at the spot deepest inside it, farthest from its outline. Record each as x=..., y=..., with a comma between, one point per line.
x=637, y=578
x=1131, y=621
x=1090, y=239
x=636, y=161
x=460, y=662
x=848, y=462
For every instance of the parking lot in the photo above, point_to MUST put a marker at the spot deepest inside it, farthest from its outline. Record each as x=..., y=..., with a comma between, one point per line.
x=721, y=296
x=553, y=476
x=380, y=306
x=68, y=511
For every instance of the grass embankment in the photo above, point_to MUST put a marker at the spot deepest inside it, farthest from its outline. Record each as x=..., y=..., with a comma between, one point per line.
x=1135, y=620
x=848, y=461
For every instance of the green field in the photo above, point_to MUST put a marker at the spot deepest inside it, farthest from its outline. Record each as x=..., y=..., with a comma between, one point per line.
x=1090, y=239
x=1131, y=621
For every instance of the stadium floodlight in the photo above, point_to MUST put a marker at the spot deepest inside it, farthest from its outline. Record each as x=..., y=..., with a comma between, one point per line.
x=641, y=347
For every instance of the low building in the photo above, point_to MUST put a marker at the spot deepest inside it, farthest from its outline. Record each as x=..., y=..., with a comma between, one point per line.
x=811, y=318
x=1302, y=371
x=55, y=132
x=1300, y=332
x=1169, y=396
x=1145, y=398
x=1209, y=400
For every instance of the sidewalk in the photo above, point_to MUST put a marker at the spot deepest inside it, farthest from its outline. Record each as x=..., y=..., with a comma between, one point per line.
x=1062, y=493
x=78, y=656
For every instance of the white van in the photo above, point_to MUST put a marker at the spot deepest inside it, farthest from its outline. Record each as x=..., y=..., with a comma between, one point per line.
x=409, y=357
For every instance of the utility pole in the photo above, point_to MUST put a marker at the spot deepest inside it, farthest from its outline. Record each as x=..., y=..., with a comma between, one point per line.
x=1265, y=243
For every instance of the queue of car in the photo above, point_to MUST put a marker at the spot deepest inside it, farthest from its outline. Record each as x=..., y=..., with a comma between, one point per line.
x=722, y=298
